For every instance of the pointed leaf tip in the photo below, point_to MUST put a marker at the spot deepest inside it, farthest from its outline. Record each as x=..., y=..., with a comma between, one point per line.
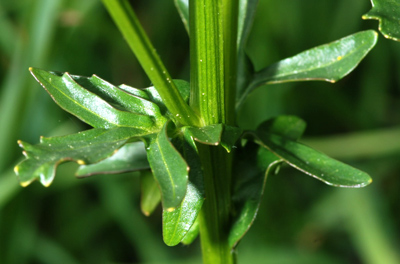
x=313, y=162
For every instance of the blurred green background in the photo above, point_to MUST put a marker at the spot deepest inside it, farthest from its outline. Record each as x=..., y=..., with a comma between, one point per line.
x=301, y=220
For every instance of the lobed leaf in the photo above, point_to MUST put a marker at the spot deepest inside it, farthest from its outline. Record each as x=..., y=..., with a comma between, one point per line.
x=312, y=162
x=85, y=147
x=387, y=12
x=329, y=62
x=169, y=169
x=151, y=195
x=131, y=157
x=252, y=166
x=86, y=105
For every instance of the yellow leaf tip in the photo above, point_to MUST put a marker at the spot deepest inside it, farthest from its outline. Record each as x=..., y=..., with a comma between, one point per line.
x=80, y=162
x=24, y=184
x=171, y=209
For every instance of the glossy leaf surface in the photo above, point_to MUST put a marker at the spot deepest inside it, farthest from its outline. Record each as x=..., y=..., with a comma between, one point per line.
x=252, y=167
x=85, y=147
x=312, y=162
x=177, y=223
x=192, y=234
x=329, y=62
x=150, y=193
x=131, y=157
x=87, y=106
x=169, y=169
x=387, y=12
x=117, y=97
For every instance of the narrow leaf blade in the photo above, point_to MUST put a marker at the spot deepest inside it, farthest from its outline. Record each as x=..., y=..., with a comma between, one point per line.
x=329, y=62
x=118, y=97
x=85, y=105
x=313, y=163
x=387, y=12
x=169, y=169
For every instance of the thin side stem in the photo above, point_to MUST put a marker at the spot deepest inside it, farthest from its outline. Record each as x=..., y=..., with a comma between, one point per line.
x=129, y=25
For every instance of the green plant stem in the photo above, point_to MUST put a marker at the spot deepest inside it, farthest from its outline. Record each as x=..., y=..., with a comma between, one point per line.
x=213, y=33
x=213, y=51
x=129, y=25
x=214, y=219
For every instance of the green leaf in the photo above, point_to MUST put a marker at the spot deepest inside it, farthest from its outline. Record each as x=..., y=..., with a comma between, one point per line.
x=119, y=98
x=183, y=9
x=230, y=136
x=209, y=135
x=251, y=167
x=387, y=12
x=214, y=135
x=329, y=62
x=192, y=234
x=151, y=195
x=87, y=106
x=183, y=88
x=177, y=223
x=247, y=10
x=312, y=162
x=288, y=126
x=131, y=157
x=169, y=169
x=85, y=147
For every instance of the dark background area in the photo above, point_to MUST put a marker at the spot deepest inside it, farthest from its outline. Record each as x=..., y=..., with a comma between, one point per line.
x=301, y=220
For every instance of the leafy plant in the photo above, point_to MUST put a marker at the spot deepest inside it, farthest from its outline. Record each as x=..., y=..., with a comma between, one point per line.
x=210, y=173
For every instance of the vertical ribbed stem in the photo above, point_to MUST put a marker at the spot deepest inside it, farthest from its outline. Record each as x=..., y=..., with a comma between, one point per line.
x=213, y=31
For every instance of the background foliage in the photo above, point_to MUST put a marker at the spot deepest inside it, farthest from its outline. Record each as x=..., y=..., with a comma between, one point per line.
x=98, y=219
